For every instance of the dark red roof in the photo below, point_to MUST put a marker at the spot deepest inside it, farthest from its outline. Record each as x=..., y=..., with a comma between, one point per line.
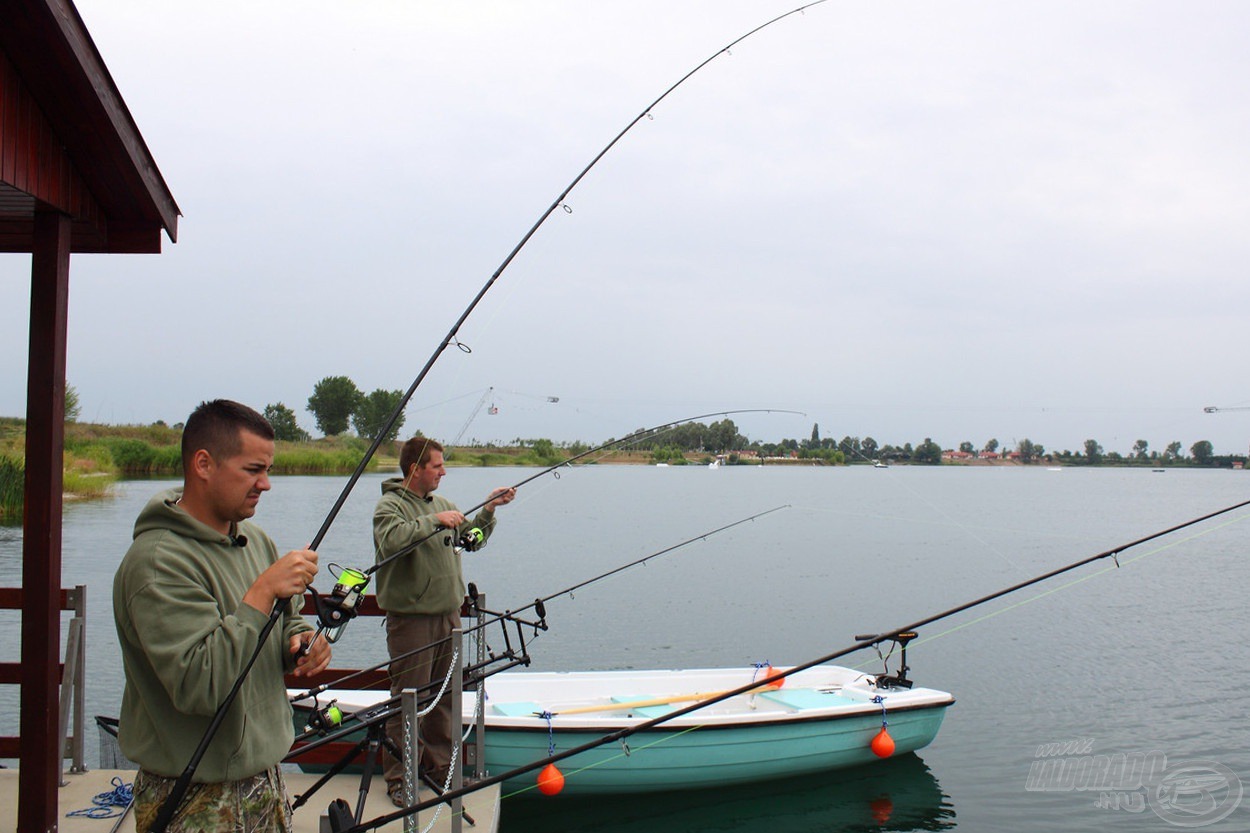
x=67, y=140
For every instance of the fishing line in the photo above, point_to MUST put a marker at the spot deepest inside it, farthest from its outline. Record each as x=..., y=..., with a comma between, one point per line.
x=634, y=438
x=896, y=481
x=860, y=644
x=610, y=758
x=322, y=688
x=854, y=514
x=449, y=339
x=559, y=202
x=1125, y=562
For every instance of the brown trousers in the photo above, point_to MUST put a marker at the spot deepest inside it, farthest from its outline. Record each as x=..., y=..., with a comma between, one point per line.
x=404, y=634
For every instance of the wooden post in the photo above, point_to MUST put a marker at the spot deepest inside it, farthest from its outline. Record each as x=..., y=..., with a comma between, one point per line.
x=41, y=543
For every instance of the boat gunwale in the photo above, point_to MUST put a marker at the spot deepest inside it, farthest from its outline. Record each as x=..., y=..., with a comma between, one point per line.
x=537, y=723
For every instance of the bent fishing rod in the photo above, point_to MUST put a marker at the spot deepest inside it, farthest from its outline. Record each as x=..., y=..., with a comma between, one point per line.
x=636, y=437
x=861, y=643
x=539, y=604
x=449, y=339
x=337, y=608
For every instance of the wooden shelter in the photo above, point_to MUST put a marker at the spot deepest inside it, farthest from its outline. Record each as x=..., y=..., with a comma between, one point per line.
x=75, y=176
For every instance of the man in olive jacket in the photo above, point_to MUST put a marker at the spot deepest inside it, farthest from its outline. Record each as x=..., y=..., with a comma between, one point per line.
x=189, y=600
x=422, y=591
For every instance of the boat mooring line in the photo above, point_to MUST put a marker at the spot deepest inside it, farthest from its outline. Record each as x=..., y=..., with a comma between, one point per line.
x=781, y=675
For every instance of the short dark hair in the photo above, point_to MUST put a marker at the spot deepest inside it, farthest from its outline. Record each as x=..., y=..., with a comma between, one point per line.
x=215, y=425
x=416, y=451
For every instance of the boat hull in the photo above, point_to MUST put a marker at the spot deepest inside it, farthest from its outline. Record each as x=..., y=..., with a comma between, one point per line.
x=817, y=720
x=659, y=759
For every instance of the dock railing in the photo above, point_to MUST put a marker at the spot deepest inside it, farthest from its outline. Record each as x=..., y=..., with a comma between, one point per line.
x=473, y=753
x=73, y=676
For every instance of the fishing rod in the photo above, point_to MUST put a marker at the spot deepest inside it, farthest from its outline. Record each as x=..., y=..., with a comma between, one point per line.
x=340, y=606
x=329, y=724
x=637, y=436
x=862, y=642
x=449, y=339
x=539, y=604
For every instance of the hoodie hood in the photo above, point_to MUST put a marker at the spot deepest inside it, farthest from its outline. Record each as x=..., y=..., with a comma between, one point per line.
x=395, y=486
x=163, y=514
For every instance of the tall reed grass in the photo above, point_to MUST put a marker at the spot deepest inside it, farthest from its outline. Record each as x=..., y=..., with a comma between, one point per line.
x=12, y=488
x=312, y=460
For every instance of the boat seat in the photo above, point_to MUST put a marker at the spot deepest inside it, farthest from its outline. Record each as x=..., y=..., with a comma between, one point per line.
x=519, y=709
x=806, y=698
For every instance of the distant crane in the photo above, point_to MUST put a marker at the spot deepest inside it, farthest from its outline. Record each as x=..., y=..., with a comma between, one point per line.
x=473, y=413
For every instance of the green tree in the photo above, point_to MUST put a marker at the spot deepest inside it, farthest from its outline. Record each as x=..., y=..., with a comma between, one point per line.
x=1093, y=452
x=867, y=447
x=991, y=446
x=374, y=410
x=928, y=452
x=285, y=427
x=1028, y=450
x=723, y=436
x=72, y=407
x=815, y=441
x=334, y=400
x=1173, y=451
x=1139, y=449
x=1201, y=452
x=966, y=447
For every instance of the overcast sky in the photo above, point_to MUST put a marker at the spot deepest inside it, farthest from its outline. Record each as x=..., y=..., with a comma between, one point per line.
x=957, y=220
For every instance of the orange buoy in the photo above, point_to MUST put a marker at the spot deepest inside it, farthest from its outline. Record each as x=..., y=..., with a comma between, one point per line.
x=551, y=780
x=768, y=672
x=882, y=744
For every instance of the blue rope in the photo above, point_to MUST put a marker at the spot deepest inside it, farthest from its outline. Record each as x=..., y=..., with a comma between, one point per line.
x=879, y=700
x=551, y=735
x=759, y=666
x=111, y=804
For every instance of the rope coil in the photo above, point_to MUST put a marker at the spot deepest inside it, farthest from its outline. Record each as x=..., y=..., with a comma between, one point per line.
x=109, y=805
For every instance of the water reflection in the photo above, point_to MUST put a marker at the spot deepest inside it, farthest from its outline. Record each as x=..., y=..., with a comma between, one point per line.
x=900, y=794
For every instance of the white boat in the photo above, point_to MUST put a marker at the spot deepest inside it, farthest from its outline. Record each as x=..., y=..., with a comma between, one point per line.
x=819, y=719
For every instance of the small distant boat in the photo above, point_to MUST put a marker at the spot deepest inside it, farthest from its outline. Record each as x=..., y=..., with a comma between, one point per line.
x=819, y=719
x=877, y=464
x=715, y=464
x=1159, y=470
x=661, y=465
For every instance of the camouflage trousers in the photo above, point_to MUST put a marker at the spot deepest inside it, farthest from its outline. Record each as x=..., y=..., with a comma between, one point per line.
x=257, y=804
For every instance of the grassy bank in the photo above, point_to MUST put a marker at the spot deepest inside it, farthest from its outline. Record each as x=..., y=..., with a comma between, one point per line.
x=97, y=455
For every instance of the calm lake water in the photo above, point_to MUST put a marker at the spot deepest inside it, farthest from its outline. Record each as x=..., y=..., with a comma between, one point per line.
x=1146, y=658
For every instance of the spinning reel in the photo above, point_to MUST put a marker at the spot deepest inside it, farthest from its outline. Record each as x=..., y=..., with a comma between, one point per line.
x=470, y=540
x=341, y=605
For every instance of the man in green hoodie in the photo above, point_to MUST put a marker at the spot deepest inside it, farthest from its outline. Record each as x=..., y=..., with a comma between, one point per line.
x=190, y=599
x=422, y=591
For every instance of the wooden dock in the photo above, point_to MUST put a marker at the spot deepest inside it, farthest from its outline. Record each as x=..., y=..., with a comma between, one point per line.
x=81, y=788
